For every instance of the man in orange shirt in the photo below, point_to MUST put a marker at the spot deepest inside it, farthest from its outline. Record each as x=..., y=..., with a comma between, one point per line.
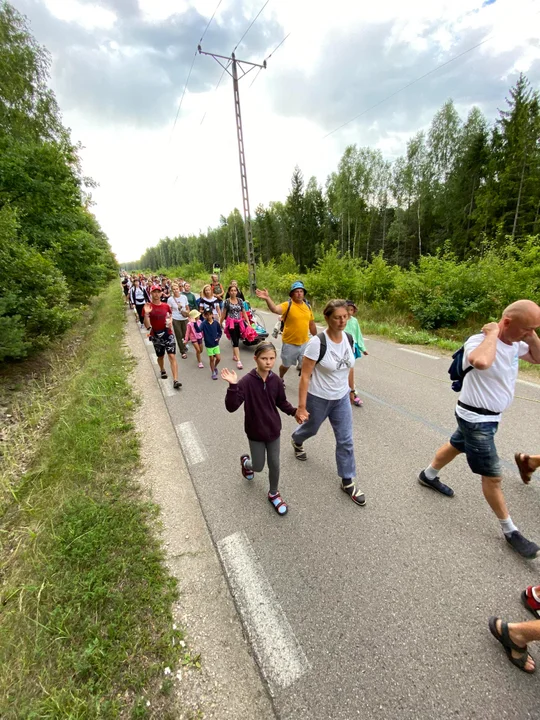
x=298, y=321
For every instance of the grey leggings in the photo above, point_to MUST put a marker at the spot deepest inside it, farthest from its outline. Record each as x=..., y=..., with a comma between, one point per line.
x=258, y=451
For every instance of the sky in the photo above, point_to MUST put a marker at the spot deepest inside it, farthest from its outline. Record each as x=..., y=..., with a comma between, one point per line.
x=119, y=69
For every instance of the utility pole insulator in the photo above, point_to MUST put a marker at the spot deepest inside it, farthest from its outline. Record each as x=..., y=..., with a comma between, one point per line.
x=235, y=65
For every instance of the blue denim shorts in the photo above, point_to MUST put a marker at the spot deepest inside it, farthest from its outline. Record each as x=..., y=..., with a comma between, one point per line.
x=477, y=441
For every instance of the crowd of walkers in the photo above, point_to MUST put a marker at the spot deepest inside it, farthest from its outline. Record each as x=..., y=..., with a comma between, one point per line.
x=488, y=365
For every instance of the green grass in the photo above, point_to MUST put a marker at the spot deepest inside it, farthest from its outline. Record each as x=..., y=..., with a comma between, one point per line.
x=86, y=625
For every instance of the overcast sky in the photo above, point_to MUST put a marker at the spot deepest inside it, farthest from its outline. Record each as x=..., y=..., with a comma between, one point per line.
x=120, y=66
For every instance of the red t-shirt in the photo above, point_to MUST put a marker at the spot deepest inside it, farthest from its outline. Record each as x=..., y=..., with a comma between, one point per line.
x=158, y=316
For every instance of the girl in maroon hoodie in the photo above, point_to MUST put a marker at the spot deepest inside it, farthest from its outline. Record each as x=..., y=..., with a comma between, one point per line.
x=262, y=393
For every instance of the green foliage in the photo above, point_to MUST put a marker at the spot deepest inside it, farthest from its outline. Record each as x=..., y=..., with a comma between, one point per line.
x=53, y=254
x=86, y=604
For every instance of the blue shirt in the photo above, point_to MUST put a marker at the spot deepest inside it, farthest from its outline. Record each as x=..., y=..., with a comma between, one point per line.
x=211, y=333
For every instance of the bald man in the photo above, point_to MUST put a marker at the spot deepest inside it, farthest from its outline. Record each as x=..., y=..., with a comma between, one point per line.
x=487, y=391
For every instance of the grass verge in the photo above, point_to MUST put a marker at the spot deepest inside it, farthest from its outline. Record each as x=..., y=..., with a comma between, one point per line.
x=86, y=625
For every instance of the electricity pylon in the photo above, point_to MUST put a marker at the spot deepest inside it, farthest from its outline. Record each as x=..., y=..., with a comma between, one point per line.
x=232, y=62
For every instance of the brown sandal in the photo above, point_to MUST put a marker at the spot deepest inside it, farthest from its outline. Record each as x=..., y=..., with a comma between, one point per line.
x=524, y=468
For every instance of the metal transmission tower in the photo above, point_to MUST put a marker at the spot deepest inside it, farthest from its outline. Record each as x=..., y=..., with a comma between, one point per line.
x=232, y=62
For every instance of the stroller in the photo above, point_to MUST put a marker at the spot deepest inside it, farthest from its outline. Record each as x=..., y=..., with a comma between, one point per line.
x=256, y=324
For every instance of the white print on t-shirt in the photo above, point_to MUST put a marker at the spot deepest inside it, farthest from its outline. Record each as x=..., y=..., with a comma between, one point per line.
x=491, y=389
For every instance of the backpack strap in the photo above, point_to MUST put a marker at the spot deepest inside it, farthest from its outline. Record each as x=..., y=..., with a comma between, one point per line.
x=322, y=349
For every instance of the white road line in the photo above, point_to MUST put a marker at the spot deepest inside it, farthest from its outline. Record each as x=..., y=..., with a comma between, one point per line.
x=191, y=443
x=416, y=352
x=278, y=652
x=531, y=384
x=167, y=387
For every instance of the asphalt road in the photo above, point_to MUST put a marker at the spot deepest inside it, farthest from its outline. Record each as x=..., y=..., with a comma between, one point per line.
x=387, y=603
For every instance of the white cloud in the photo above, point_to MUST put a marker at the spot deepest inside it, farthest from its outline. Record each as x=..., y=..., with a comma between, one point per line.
x=334, y=65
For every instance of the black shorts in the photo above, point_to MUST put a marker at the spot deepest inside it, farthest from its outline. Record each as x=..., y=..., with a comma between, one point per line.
x=126, y=289
x=163, y=343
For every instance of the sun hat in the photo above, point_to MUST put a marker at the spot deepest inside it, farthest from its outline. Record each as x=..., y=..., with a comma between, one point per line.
x=194, y=314
x=298, y=285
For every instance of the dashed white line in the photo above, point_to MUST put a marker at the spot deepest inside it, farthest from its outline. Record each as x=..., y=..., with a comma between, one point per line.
x=278, y=652
x=417, y=352
x=191, y=443
x=167, y=387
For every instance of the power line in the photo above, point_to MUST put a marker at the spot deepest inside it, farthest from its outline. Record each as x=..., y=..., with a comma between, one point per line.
x=251, y=24
x=237, y=44
x=268, y=58
x=191, y=70
x=208, y=24
x=413, y=82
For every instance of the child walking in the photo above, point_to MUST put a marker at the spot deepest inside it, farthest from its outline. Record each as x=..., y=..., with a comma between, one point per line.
x=212, y=333
x=353, y=328
x=194, y=335
x=262, y=393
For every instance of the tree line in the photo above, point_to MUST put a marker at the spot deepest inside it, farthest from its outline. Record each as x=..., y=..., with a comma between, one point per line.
x=53, y=254
x=460, y=184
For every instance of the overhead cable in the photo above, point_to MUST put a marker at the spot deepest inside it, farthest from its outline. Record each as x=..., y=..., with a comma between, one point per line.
x=413, y=82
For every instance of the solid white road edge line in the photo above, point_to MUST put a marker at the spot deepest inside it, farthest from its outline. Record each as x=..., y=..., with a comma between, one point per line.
x=530, y=384
x=278, y=652
x=416, y=352
x=191, y=443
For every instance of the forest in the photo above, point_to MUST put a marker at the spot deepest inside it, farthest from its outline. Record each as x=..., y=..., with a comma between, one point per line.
x=423, y=232
x=53, y=254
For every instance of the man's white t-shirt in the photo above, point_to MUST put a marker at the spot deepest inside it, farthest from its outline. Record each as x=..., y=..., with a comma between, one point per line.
x=330, y=377
x=491, y=389
x=178, y=304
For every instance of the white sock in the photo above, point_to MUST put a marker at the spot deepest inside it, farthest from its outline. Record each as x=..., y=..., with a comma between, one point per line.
x=431, y=473
x=507, y=526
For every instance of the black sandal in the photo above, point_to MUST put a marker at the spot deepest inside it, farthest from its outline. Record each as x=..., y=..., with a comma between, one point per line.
x=299, y=452
x=357, y=496
x=504, y=638
x=280, y=506
x=163, y=375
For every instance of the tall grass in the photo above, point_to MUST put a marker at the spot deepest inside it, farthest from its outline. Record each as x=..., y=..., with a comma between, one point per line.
x=86, y=603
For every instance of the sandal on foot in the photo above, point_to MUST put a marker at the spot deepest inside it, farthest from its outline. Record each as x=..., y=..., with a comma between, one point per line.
x=246, y=472
x=184, y=356
x=280, y=506
x=239, y=365
x=504, y=638
x=299, y=452
x=177, y=384
x=525, y=471
x=357, y=401
x=357, y=496
x=163, y=375
x=527, y=598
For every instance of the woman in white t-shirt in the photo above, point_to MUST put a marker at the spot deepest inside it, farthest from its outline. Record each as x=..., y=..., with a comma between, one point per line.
x=326, y=382
x=180, y=311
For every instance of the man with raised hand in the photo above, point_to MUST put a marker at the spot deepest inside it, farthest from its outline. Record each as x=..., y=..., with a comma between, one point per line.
x=486, y=392
x=298, y=321
x=158, y=319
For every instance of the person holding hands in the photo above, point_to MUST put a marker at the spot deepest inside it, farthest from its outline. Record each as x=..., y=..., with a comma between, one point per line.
x=262, y=393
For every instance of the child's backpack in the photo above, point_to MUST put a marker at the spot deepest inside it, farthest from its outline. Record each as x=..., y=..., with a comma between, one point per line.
x=456, y=371
x=322, y=350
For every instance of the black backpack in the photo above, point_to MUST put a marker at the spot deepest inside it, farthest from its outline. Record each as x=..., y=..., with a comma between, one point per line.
x=322, y=350
x=456, y=371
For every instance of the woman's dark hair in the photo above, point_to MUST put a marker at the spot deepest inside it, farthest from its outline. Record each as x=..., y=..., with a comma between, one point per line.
x=332, y=305
x=263, y=346
x=232, y=286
